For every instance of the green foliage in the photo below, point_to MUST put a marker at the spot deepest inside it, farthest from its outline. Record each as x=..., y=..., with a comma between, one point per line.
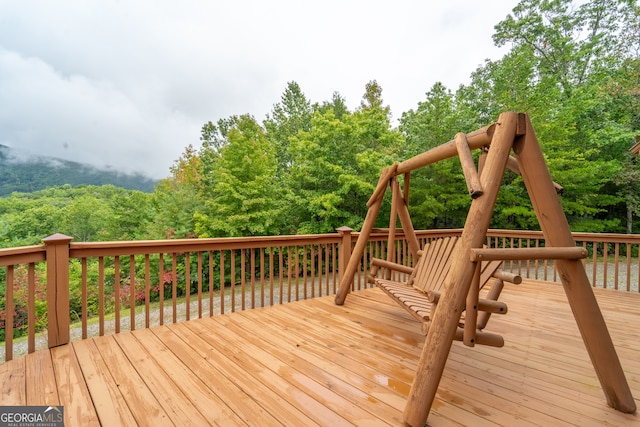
x=628, y=181
x=177, y=198
x=20, y=302
x=243, y=198
x=572, y=70
x=86, y=213
x=337, y=105
x=335, y=166
x=290, y=116
x=438, y=195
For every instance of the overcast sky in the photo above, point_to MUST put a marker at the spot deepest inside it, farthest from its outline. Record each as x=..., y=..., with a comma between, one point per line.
x=128, y=84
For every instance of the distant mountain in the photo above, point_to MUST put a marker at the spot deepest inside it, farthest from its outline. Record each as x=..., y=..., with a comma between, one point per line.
x=22, y=175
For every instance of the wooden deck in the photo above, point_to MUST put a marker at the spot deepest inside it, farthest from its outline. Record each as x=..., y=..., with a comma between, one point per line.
x=314, y=363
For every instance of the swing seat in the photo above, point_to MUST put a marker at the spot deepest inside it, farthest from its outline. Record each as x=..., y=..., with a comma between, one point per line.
x=419, y=294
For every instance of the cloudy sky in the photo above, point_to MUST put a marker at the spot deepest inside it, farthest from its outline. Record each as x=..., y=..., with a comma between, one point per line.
x=128, y=84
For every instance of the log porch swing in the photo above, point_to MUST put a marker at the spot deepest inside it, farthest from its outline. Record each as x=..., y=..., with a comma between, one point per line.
x=458, y=267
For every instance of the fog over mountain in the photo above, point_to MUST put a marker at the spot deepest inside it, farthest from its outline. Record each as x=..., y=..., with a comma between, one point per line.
x=23, y=171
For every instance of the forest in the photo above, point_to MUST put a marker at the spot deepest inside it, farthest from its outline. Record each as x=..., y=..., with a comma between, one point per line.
x=310, y=167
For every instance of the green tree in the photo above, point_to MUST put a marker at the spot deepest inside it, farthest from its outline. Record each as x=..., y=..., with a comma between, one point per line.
x=29, y=225
x=85, y=218
x=629, y=182
x=372, y=99
x=291, y=115
x=244, y=198
x=130, y=216
x=84, y=212
x=337, y=104
x=177, y=199
x=336, y=165
x=564, y=61
x=438, y=194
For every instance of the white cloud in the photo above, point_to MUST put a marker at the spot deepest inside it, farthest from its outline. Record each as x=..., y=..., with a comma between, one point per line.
x=129, y=84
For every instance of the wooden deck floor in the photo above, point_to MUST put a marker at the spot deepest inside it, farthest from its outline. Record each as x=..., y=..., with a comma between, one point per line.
x=314, y=363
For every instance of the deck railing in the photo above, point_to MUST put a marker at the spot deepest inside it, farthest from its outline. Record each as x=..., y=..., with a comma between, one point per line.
x=61, y=290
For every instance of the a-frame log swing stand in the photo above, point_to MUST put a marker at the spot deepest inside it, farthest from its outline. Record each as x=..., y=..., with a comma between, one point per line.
x=512, y=131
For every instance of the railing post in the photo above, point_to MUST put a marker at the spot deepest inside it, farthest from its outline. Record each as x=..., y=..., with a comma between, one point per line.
x=344, y=250
x=57, y=252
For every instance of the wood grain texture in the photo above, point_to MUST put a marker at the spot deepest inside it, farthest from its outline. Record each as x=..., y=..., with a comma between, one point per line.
x=315, y=363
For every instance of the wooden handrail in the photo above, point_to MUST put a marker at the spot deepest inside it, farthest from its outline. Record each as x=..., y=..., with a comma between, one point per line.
x=486, y=254
x=22, y=255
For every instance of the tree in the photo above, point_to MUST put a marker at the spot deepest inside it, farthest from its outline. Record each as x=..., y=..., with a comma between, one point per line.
x=337, y=104
x=86, y=213
x=438, y=195
x=629, y=182
x=372, y=99
x=563, y=63
x=178, y=198
x=28, y=224
x=84, y=218
x=244, y=198
x=336, y=165
x=569, y=44
x=291, y=115
x=130, y=216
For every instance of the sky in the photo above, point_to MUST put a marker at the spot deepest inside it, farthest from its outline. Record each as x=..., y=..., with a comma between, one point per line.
x=128, y=84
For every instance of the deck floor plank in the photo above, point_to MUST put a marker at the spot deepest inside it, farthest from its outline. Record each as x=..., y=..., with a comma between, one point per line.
x=190, y=387
x=310, y=360
x=170, y=397
x=72, y=388
x=41, y=385
x=144, y=407
x=227, y=392
x=207, y=344
x=315, y=363
x=13, y=379
x=313, y=331
x=344, y=409
x=111, y=407
x=378, y=373
x=232, y=346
